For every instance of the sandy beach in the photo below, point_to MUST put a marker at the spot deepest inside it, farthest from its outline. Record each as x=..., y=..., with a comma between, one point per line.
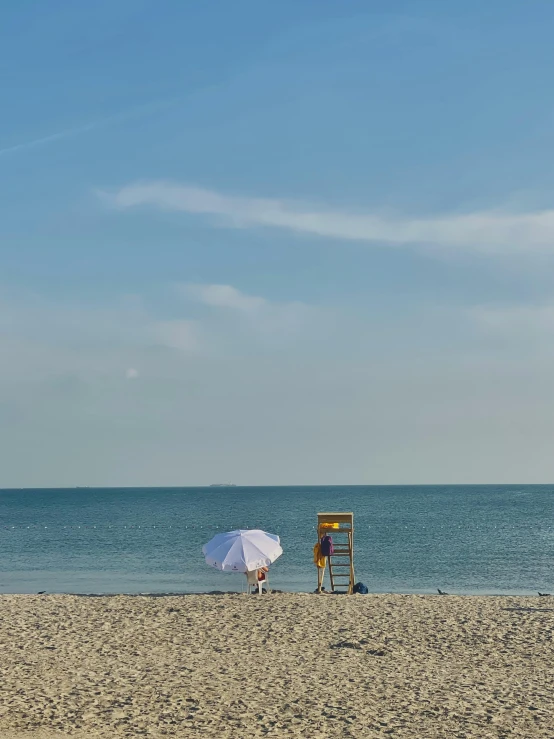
x=278, y=665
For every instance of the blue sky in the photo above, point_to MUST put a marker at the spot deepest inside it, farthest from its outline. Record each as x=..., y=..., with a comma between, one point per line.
x=276, y=243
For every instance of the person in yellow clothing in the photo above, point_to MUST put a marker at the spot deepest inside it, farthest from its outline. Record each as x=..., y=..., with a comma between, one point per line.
x=319, y=559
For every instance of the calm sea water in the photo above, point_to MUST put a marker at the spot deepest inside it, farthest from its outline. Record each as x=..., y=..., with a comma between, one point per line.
x=478, y=539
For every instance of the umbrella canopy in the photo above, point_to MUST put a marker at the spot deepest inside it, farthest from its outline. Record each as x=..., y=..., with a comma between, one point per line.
x=242, y=550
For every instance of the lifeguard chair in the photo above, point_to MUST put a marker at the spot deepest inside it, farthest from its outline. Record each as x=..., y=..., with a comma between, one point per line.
x=341, y=563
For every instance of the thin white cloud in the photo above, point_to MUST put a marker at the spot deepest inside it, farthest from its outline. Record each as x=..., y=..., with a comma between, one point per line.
x=46, y=139
x=181, y=334
x=115, y=337
x=100, y=123
x=515, y=320
x=492, y=230
x=266, y=317
x=49, y=336
x=224, y=296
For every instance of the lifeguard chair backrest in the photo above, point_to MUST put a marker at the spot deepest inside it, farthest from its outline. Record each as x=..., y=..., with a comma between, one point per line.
x=327, y=523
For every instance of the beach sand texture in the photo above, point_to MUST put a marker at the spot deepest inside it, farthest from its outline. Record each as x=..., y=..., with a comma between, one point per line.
x=278, y=665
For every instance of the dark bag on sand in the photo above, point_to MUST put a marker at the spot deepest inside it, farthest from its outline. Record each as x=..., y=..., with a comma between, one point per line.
x=360, y=588
x=326, y=546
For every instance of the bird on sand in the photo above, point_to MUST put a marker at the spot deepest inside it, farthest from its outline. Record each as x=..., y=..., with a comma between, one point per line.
x=544, y=595
x=441, y=592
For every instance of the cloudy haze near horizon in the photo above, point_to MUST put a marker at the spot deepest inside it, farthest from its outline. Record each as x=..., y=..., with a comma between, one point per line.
x=293, y=244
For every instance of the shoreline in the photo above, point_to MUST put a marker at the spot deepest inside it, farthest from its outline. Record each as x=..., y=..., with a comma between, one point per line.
x=294, y=664
x=278, y=591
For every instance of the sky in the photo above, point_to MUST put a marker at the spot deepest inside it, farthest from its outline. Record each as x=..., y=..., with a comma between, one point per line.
x=305, y=242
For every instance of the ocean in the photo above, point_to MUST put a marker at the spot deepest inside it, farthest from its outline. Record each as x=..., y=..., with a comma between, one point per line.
x=407, y=539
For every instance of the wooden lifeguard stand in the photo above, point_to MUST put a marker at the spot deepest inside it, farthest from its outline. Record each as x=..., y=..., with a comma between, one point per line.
x=341, y=563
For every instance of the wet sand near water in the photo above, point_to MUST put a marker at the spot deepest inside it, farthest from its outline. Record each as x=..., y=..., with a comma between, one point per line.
x=276, y=665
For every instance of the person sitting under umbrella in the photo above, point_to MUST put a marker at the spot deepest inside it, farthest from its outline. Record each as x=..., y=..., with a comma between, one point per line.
x=244, y=550
x=256, y=578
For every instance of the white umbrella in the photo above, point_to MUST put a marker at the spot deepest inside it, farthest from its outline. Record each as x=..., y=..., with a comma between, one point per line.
x=242, y=550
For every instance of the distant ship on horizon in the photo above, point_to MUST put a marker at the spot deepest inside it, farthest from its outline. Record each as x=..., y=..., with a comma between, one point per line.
x=223, y=485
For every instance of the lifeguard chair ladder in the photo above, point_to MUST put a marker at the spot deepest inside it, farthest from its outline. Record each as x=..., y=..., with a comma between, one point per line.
x=341, y=563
